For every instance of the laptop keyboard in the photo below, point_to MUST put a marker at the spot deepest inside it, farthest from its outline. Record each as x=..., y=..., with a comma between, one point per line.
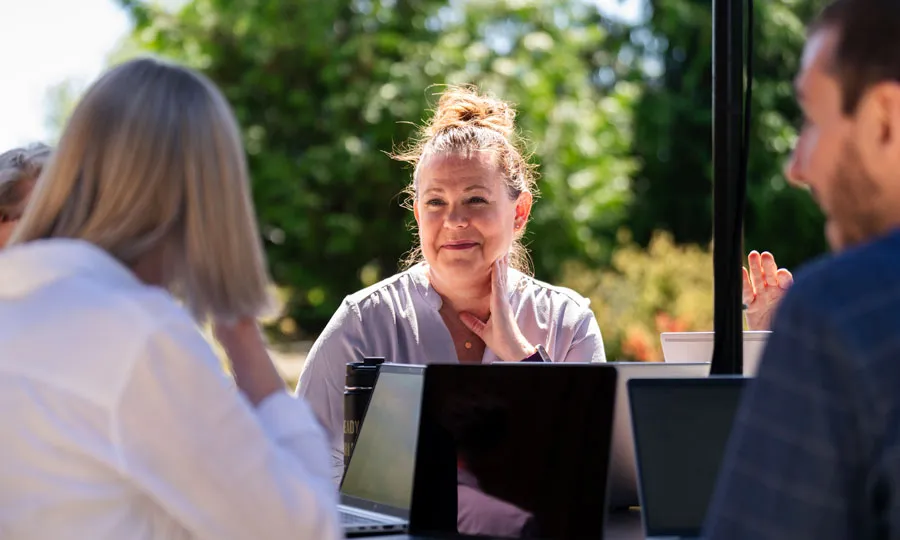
x=352, y=519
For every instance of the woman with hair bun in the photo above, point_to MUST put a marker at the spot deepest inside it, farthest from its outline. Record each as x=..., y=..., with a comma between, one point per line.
x=466, y=294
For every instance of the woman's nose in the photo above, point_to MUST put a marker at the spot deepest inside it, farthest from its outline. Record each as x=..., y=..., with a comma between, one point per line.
x=456, y=218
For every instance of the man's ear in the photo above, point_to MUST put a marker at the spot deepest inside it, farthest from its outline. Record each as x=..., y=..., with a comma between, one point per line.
x=877, y=129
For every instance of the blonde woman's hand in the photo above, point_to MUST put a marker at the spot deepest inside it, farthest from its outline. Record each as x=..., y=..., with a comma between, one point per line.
x=764, y=287
x=241, y=334
x=500, y=332
x=245, y=346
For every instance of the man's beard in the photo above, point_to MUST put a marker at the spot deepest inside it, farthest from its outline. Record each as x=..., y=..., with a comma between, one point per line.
x=852, y=217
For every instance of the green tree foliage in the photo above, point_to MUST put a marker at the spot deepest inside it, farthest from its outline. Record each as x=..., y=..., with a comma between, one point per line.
x=673, y=123
x=619, y=116
x=323, y=89
x=60, y=100
x=318, y=88
x=661, y=288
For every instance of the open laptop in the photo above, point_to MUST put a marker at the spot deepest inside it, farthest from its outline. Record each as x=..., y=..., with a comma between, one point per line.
x=681, y=428
x=531, y=444
x=376, y=491
x=623, y=484
x=690, y=347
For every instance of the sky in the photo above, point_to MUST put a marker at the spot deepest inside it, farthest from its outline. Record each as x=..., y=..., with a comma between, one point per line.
x=44, y=43
x=629, y=11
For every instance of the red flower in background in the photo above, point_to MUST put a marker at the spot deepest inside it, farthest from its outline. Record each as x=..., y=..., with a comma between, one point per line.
x=667, y=323
x=637, y=345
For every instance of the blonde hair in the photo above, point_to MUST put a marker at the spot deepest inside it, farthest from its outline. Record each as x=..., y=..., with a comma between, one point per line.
x=152, y=161
x=464, y=123
x=19, y=170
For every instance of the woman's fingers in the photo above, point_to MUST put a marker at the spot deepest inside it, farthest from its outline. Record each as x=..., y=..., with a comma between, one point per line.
x=770, y=269
x=500, y=270
x=756, y=270
x=747, y=292
x=785, y=278
x=473, y=323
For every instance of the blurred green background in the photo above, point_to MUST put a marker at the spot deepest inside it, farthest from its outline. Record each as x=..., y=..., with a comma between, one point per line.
x=617, y=109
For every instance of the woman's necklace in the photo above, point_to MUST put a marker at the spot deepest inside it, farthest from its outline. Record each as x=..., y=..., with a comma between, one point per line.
x=467, y=343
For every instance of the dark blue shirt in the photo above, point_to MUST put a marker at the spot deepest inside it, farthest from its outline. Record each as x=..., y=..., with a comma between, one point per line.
x=815, y=451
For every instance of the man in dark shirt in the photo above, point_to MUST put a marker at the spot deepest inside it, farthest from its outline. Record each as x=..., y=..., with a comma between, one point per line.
x=815, y=451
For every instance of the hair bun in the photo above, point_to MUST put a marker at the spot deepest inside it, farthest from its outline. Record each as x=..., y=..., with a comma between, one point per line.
x=462, y=106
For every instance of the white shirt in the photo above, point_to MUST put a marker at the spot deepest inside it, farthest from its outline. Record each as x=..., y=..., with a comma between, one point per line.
x=118, y=422
x=399, y=319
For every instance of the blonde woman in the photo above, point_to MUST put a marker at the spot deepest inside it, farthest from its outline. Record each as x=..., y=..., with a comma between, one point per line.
x=467, y=297
x=19, y=169
x=118, y=420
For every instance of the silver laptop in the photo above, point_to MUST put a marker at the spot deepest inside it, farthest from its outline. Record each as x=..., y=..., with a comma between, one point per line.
x=681, y=429
x=376, y=491
x=623, y=484
x=691, y=347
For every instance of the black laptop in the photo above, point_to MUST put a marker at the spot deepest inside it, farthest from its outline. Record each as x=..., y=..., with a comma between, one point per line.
x=681, y=428
x=529, y=442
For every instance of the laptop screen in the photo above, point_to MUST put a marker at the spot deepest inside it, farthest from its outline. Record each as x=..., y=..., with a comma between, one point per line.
x=380, y=473
x=681, y=428
x=531, y=444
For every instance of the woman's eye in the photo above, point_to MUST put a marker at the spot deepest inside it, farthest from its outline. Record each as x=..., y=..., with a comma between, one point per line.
x=434, y=202
x=477, y=200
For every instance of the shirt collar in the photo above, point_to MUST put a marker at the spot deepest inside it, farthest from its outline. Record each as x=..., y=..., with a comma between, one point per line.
x=419, y=274
x=27, y=267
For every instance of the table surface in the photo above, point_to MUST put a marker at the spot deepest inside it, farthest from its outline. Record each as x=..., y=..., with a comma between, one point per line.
x=619, y=526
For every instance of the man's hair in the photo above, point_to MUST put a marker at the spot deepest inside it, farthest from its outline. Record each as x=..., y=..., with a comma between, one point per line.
x=868, y=45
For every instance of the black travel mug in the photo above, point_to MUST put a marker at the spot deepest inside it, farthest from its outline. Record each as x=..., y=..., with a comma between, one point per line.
x=360, y=380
